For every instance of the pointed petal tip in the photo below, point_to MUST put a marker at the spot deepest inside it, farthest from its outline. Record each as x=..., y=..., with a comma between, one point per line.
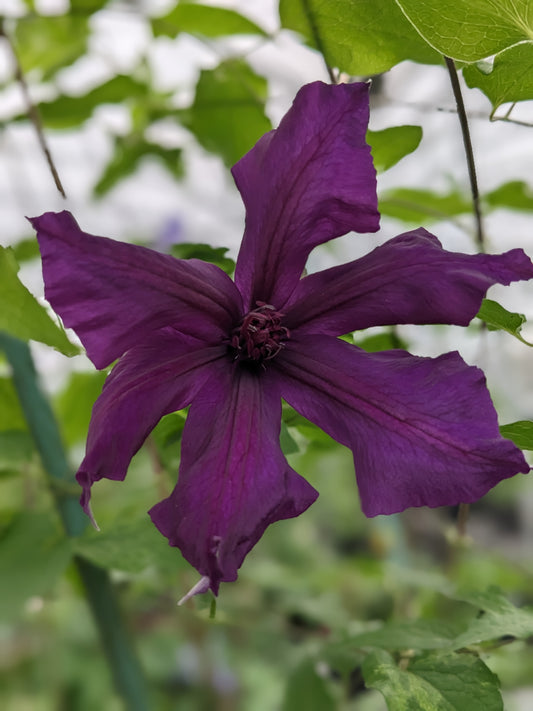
x=201, y=587
x=89, y=513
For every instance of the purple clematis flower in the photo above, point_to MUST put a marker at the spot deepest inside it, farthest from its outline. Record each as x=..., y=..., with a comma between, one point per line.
x=423, y=431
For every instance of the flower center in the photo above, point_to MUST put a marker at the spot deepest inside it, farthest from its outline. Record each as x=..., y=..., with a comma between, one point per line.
x=260, y=336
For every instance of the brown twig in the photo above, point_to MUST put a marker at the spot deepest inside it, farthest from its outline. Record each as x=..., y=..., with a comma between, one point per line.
x=33, y=113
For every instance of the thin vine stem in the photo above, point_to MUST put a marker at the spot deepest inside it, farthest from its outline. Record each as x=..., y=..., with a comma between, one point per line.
x=467, y=141
x=33, y=113
x=464, y=509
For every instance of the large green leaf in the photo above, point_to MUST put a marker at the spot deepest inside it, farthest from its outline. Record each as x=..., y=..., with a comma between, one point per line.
x=34, y=552
x=204, y=20
x=469, y=30
x=50, y=43
x=390, y=145
x=418, y=206
x=228, y=113
x=511, y=77
x=21, y=314
x=357, y=36
x=436, y=682
x=497, y=617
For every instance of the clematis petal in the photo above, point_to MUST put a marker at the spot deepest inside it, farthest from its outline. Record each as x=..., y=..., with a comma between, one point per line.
x=116, y=295
x=234, y=480
x=409, y=279
x=423, y=431
x=148, y=382
x=306, y=182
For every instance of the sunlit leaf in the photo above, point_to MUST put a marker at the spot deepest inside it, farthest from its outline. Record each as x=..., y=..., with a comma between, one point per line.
x=21, y=314
x=436, y=682
x=357, y=36
x=392, y=144
x=498, y=318
x=204, y=20
x=511, y=78
x=228, y=113
x=469, y=30
x=49, y=43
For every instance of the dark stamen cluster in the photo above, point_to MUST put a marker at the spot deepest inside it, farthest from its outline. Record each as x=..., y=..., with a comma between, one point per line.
x=260, y=336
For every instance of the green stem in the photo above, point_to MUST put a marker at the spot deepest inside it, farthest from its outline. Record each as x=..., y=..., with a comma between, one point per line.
x=100, y=595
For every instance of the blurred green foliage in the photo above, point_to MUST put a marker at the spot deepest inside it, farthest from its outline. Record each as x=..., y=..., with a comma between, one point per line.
x=330, y=607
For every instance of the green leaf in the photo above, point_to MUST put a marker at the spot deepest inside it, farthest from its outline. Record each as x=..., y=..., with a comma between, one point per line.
x=167, y=438
x=75, y=402
x=499, y=319
x=71, y=111
x=205, y=252
x=204, y=20
x=16, y=449
x=34, y=552
x=86, y=6
x=307, y=690
x=359, y=37
x=515, y=195
x=26, y=250
x=392, y=144
x=469, y=30
x=418, y=634
x=521, y=433
x=511, y=78
x=131, y=546
x=11, y=415
x=287, y=442
x=380, y=342
x=497, y=618
x=228, y=113
x=21, y=314
x=50, y=43
x=416, y=206
x=128, y=154
x=436, y=682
